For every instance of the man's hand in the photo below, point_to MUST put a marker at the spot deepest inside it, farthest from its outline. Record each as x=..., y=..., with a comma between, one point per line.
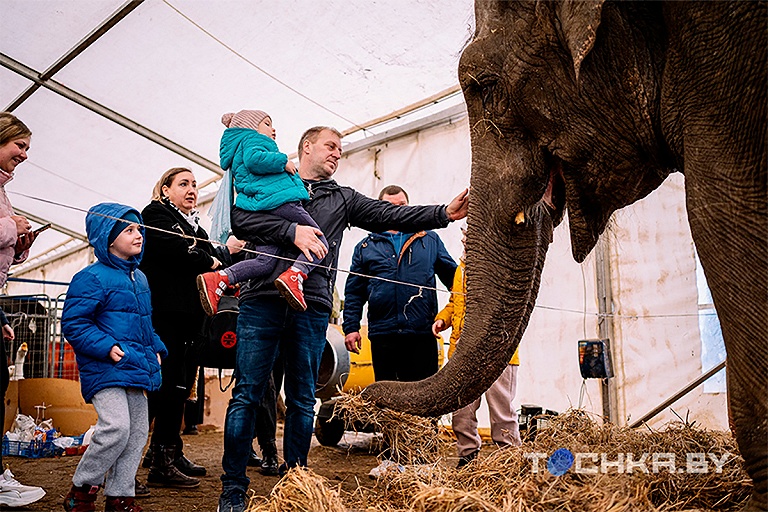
x=234, y=245
x=8, y=333
x=306, y=239
x=116, y=354
x=438, y=327
x=353, y=342
x=457, y=209
x=159, y=360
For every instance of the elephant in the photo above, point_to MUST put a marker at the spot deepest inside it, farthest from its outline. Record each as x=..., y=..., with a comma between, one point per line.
x=584, y=107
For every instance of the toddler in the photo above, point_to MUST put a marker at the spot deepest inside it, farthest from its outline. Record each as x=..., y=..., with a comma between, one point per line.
x=107, y=318
x=264, y=180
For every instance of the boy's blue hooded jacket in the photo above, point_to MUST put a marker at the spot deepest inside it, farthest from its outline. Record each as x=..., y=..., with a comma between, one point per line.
x=108, y=303
x=258, y=171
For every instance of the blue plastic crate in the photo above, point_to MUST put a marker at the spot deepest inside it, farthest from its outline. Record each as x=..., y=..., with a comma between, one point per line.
x=35, y=449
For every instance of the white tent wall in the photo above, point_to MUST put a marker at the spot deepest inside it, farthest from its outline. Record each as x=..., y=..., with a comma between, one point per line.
x=58, y=271
x=656, y=346
x=656, y=306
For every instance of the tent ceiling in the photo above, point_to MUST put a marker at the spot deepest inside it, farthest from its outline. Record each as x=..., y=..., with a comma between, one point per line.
x=176, y=66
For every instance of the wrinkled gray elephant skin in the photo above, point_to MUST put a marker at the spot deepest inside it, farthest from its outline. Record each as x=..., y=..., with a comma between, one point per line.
x=586, y=107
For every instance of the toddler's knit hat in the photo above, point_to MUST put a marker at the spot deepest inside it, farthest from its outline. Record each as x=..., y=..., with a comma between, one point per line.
x=244, y=119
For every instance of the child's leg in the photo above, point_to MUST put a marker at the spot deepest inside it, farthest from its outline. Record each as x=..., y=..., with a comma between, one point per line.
x=464, y=423
x=294, y=212
x=505, y=430
x=260, y=266
x=109, y=438
x=121, y=478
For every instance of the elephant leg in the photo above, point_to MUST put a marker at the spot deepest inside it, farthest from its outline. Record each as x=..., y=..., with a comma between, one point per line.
x=730, y=237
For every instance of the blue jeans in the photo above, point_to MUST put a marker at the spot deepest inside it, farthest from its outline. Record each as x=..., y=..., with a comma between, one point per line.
x=266, y=324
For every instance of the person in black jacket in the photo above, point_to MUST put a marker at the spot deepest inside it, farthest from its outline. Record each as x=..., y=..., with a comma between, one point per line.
x=266, y=322
x=399, y=317
x=171, y=264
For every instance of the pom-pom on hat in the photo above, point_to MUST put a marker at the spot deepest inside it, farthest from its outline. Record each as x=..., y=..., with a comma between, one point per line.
x=244, y=119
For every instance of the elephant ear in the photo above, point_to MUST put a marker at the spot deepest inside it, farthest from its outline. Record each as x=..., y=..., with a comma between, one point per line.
x=579, y=20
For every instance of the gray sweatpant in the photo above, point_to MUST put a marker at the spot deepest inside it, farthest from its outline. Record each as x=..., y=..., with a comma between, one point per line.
x=504, y=428
x=117, y=442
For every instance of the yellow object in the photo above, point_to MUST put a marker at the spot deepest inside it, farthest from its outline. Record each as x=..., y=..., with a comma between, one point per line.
x=361, y=365
x=453, y=312
x=70, y=414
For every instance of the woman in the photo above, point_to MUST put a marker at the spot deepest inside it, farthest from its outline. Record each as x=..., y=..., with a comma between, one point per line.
x=16, y=238
x=172, y=264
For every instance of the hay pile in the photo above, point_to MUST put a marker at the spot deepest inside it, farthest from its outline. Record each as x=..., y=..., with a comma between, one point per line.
x=505, y=481
x=409, y=439
x=299, y=490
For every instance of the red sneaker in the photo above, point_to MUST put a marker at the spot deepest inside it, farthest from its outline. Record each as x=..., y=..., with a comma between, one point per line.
x=211, y=286
x=81, y=499
x=121, y=504
x=290, y=285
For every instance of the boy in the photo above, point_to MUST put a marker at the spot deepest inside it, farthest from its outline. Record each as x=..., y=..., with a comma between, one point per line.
x=107, y=320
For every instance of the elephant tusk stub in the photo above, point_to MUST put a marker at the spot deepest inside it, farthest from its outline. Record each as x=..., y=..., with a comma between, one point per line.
x=520, y=218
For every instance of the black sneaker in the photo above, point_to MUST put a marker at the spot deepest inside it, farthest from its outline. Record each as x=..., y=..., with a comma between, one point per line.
x=231, y=501
x=466, y=459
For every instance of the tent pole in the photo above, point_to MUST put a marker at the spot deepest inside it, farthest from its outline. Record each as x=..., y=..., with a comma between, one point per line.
x=104, y=111
x=605, y=322
x=674, y=398
x=87, y=41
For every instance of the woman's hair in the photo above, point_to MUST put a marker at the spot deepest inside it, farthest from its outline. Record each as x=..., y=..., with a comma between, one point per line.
x=165, y=181
x=11, y=128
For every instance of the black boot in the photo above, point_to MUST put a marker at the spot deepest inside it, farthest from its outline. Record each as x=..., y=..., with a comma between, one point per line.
x=269, y=464
x=163, y=472
x=188, y=467
x=146, y=462
x=253, y=460
x=140, y=490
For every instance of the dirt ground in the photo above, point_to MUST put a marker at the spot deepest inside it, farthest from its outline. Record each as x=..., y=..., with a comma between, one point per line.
x=347, y=464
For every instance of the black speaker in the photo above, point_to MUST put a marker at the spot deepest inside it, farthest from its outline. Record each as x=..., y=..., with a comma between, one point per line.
x=595, y=359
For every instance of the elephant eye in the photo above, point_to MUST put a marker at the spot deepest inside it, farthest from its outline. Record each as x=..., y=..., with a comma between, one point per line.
x=494, y=99
x=487, y=97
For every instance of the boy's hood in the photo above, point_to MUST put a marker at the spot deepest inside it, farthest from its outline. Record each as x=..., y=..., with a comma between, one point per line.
x=99, y=223
x=234, y=137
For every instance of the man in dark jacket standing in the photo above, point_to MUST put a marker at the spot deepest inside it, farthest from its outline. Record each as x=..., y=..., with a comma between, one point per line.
x=266, y=322
x=399, y=317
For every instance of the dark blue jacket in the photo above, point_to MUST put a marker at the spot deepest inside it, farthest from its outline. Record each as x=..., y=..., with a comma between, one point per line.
x=108, y=304
x=396, y=308
x=334, y=208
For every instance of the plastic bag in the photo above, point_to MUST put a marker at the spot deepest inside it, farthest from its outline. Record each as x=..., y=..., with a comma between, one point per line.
x=220, y=210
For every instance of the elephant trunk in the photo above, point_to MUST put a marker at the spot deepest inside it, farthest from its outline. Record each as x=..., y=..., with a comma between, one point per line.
x=504, y=263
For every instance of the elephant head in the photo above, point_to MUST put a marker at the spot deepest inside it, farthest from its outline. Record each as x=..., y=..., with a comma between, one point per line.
x=587, y=106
